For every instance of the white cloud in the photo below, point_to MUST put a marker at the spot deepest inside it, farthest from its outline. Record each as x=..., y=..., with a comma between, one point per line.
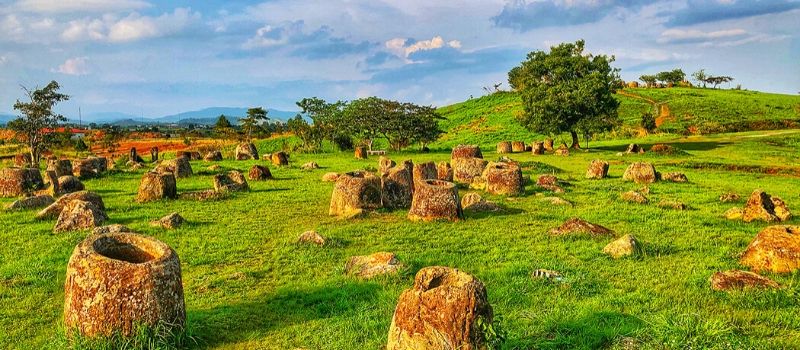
x=74, y=66
x=3, y=60
x=131, y=28
x=695, y=36
x=402, y=48
x=57, y=6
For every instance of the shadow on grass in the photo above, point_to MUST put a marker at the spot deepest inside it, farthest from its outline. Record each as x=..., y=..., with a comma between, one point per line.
x=286, y=307
x=504, y=211
x=593, y=331
x=685, y=146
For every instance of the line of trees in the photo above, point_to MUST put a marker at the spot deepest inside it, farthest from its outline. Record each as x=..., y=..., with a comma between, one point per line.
x=669, y=78
x=363, y=121
x=701, y=77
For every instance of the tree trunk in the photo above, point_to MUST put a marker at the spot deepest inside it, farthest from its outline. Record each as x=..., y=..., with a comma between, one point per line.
x=576, y=144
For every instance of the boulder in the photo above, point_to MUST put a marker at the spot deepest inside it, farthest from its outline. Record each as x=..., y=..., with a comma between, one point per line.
x=79, y=215
x=116, y=281
x=634, y=149
x=504, y=147
x=153, y=154
x=728, y=197
x=634, y=197
x=445, y=309
x=69, y=184
x=330, y=177
x=674, y=177
x=739, y=280
x=245, y=151
x=517, y=146
x=50, y=180
x=259, y=173
x=54, y=210
x=355, y=192
x=562, y=150
x=579, y=226
x=309, y=166
x=549, y=182
x=537, y=148
x=156, y=186
x=598, y=169
x=504, y=179
x=280, y=158
x=232, y=181
x=548, y=144
x=425, y=171
x=180, y=167
x=641, y=173
x=62, y=167
x=473, y=202
x=734, y=213
x=312, y=237
x=368, y=266
x=361, y=153
x=466, y=169
x=89, y=167
x=31, y=202
x=171, y=221
x=761, y=206
x=781, y=210
x=444, y=171
x=397, y=186
x=384, y=164
x=624, y=246
x=775, y=249
x=435, y=200
x=15, y=182
x=115, y=228
x=213, y=156
x=465, y=152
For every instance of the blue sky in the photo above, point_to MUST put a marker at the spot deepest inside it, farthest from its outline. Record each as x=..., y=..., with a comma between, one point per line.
x=162, y=57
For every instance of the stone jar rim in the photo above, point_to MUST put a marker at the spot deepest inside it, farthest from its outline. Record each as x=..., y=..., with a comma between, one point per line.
x=126, y=249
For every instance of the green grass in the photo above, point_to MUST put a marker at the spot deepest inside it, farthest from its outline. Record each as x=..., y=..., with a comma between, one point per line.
x=249, y=285
x=489, y=119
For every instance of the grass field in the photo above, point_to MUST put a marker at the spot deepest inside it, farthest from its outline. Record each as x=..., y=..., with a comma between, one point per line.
x=487, y=119
x=249, y=285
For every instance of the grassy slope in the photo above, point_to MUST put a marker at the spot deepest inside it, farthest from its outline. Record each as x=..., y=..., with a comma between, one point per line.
x=489, y=119
x=248, y=285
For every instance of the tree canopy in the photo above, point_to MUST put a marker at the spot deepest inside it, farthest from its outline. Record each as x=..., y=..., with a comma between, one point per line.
x=565, y=90
x=252, y=122
x=37, y=117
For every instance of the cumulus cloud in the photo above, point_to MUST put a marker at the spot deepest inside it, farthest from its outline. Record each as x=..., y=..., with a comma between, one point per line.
x=404, y=48
x=130, y=28
x=703, y=11
x=320, y=43
x=58, y=6
x=74, y=66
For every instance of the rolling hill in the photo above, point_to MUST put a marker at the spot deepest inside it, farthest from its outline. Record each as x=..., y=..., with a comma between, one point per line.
x=492, y=118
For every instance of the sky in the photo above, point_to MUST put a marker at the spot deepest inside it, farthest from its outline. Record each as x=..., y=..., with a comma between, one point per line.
x=155, y=57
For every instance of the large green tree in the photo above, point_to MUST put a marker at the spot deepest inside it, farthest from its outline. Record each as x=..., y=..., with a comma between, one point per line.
x=566, y=90
x=37, y=118
x=252, y=122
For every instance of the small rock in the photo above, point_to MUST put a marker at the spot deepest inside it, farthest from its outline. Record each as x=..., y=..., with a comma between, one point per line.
x=667, y=204
x=115, y=228
x=641, y=173
x=546, y=274
x=598, y=169
x=734, y=213
x=309, y=166
x=368, y=266
x=762, y=206
x=737, y=280
x=557, y=201
x=312, y=237
x=31, y=202
x=624, y=246
x=69, y=184
x=259, y=173
x=729, y=197
x=171, y=221
x=473, y=202
x=634, y=149
x=214, y=167
x=550, y=183
x=330, y=177
x=576, y=226
x=233, y=181
x=674, y=177
x=634, y=197
x=79, y=215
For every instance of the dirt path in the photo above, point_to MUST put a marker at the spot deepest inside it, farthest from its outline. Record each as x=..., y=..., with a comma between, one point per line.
x=662, y=107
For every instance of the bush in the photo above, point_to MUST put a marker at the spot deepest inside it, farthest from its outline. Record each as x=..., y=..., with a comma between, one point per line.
x=648, y=122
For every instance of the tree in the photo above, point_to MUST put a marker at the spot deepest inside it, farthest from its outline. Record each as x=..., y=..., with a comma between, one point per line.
x=37, y=118
x=566, y=90
x=649, y=80
x=648, y=122
x=674, y=77
x=716, y=80
x=700, y=77
x=327, y=122
x=223, y=128
x=252, y=123
x=80, y=146
x=366, y=118
x=222, y=122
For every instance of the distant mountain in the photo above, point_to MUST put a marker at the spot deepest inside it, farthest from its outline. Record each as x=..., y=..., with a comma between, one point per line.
x=199, y=117
x=108, y=117
x=5, y=118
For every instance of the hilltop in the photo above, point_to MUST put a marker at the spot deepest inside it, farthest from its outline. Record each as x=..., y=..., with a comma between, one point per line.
x=492, y=118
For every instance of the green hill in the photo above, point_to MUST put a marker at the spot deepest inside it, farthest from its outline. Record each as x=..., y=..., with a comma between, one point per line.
x=489, y=119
